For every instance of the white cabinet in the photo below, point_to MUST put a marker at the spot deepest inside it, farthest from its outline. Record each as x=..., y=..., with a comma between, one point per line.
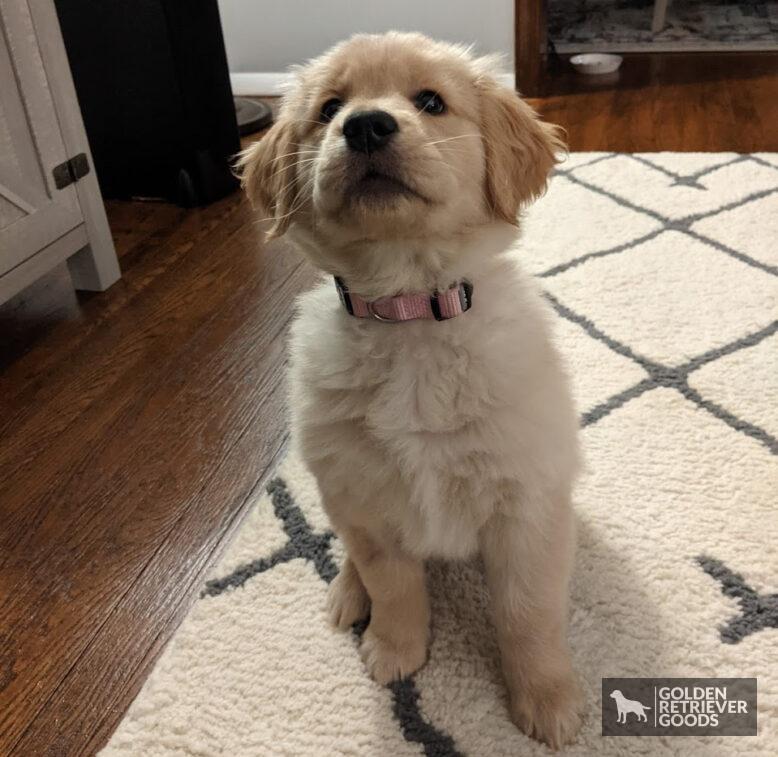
x=50, y=204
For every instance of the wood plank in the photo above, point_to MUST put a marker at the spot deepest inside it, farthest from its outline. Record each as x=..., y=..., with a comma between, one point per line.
x=530, y=42
x=156, y=312
x=27, y=383
x=150, y=608
x=26, y=319
x=114, y=516
x=705, y=102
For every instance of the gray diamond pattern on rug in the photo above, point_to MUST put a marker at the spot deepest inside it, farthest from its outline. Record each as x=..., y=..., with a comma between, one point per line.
x=663, y=271
x=757, y=611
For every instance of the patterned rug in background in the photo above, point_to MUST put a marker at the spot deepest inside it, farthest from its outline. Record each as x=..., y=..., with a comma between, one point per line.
x=663, y=270
x=691, y=25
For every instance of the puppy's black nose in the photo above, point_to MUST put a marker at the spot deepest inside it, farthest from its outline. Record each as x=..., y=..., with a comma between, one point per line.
x=369, y=130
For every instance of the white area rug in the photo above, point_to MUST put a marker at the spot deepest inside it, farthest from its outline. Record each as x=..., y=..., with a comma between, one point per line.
x=663, y=270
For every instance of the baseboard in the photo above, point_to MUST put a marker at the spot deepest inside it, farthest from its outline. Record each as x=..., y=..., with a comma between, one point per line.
x=259, y=83
x=273, y=83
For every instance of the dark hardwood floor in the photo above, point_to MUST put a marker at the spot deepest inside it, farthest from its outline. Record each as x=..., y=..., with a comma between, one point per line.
x=136, y=424
x=705, y=102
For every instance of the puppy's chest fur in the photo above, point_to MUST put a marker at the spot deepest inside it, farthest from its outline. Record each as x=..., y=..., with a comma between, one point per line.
x=411, y=427
x=399, y=436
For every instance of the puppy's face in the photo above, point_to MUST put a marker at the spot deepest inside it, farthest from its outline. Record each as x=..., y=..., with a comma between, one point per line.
x=397, y=136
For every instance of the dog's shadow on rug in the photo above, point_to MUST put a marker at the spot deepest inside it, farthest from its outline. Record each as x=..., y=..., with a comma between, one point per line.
x=617, y=628
x=615, y=631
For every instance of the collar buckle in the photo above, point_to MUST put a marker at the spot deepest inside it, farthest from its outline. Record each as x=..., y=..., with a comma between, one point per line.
x=345, y=297
x=371, y=309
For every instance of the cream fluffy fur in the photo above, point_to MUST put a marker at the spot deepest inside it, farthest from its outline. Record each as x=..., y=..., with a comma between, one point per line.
x=427, y=439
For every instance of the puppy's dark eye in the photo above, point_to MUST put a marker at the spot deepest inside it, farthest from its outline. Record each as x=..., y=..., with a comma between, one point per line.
x=428, y=101
x=330, y=109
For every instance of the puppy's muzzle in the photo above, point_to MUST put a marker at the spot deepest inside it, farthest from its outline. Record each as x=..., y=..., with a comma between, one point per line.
x=369, y=131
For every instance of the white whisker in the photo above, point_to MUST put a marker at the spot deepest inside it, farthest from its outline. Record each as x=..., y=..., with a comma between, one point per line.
x=290, y=154
x=451, y=139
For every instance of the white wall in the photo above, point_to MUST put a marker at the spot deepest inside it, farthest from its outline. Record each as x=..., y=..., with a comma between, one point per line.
x=264, y=37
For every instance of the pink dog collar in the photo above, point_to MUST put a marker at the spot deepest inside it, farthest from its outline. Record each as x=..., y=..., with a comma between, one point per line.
x=409, y=307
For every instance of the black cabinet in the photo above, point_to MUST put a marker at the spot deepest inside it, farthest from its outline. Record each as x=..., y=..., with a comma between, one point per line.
x=154, y=90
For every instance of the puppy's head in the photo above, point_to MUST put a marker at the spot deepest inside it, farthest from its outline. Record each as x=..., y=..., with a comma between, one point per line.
x=396, y=135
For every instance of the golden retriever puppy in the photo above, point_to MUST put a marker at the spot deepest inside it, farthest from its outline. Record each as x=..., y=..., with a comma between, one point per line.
x=426, y=396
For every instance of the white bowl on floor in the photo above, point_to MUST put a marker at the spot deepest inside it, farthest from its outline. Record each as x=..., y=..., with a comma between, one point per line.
x=596, y=63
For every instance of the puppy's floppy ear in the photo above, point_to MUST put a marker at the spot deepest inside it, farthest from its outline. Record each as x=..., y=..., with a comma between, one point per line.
x=268, y=174
x=520, y=149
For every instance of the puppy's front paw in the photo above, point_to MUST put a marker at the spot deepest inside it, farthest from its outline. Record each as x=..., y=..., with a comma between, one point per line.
x=550, y=712
x=387, y=660
x=347, y=599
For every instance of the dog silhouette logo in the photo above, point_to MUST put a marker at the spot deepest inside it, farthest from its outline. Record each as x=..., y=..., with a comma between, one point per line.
x=625, y=706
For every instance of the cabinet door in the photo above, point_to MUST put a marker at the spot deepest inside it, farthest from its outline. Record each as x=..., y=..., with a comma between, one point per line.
x=33, y=212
